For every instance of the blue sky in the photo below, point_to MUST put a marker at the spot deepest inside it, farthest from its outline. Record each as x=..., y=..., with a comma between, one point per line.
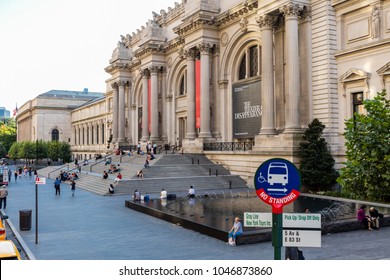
x=64, y=45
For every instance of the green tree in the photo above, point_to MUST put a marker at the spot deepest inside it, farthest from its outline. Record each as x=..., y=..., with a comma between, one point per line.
x=317, y=164
x=27, y=150
x=366, y=174
x=13, y=152
x=54, y=150
x=65, y=152
x=7, y=134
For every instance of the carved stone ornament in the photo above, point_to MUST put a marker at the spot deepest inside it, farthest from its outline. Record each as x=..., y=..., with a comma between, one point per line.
x=266, y=21
x=290, y=9
x=224, y=39
x=244, y=24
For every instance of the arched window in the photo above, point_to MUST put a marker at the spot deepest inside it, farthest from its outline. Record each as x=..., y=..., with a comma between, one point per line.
x=249, y=65
x=183, y=84
x=55, y=135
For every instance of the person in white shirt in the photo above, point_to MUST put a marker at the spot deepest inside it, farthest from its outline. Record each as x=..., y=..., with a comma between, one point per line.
x=191, y=192
x=163, y=194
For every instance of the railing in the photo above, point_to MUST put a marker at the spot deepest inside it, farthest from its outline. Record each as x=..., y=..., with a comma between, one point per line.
x=62, y=166
x=228, y=146
x=104, y=158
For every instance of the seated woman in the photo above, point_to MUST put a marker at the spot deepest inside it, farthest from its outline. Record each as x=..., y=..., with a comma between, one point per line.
x=111, y=189
x=118, y=178
x=363, y=218
x=105, y=174
x=140, y=174
x=235, y=231
x=137, y=195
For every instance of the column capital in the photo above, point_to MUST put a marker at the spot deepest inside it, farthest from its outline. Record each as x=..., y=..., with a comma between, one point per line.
x=290, y=9
x=154, y=70
x=205, y=48
x=145, y=74
x=305, y=14
x=189, y=54
x=163, y=70
x=266, y=21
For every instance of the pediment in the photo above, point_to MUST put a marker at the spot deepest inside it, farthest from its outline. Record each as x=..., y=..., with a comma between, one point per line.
x=354, y=74
x=384, y=70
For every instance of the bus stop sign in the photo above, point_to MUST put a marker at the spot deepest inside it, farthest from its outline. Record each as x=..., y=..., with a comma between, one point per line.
x=277, y=182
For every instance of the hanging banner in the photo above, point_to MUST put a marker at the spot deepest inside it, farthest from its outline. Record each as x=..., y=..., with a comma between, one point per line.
x=247, y=109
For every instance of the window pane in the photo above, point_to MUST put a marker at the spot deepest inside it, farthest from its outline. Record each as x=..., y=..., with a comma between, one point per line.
x=242, y=72
x=254, y=61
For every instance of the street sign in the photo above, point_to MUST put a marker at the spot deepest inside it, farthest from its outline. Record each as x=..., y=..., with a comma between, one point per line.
x=40, y=180
x=301, y=220
x=301, y=238
x=277, y=182
x=255, y=219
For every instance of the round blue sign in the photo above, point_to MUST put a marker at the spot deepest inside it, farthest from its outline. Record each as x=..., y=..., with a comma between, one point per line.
x=277, y=181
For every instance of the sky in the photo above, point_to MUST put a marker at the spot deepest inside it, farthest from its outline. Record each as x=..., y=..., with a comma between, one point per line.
x=63, y=44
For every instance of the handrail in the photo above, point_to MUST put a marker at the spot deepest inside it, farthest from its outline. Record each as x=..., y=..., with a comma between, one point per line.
x=62, y=166
x=228, y=146
x=104, y=159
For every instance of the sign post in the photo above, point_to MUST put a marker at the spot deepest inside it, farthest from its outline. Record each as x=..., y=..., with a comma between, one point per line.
x=277, y=183
x=38, y=181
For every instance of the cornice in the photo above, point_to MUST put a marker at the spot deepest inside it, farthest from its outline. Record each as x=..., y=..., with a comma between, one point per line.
x=195, y=22
x=149, y=48
x=236, y=13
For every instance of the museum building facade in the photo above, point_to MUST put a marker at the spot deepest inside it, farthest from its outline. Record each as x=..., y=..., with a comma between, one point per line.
x=213, y=73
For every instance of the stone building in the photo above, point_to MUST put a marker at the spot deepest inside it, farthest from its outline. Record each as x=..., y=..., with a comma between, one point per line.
x=240, y=80
x=48, y=116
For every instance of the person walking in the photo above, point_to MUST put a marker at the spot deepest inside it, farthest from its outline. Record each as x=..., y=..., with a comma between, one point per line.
x=57, y=186
x=9, y=175
x=73, y=187
x=16, y=174
x=3, y=197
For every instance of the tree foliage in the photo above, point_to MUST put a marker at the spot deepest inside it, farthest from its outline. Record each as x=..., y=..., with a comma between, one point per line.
x=366, y=174
x=317, y=164
x=7, y=135
x=40, y=150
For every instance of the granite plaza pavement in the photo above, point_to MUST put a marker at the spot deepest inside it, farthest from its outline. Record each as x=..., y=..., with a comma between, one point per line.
x=93, y=227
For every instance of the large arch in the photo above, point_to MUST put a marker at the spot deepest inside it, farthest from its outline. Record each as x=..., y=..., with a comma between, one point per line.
x=230, y=59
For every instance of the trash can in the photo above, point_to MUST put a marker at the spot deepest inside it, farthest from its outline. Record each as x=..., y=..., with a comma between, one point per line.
x=25, y=219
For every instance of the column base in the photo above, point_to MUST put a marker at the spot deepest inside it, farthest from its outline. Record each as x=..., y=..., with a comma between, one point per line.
x=191, y=136
x=205, y=135
x=154, y=138
x=268, y=131
x=277, y=145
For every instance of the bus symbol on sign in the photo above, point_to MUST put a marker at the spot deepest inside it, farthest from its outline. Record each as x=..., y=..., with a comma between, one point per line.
x=277, y=173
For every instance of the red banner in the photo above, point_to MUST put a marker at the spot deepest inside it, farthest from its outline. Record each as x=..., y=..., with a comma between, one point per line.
x=197, y=92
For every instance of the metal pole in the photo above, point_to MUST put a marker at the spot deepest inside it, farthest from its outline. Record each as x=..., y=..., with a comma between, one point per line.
x=36, y=213
x=277, y=224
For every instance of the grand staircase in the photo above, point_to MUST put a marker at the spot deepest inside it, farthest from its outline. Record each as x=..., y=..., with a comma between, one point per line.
x=173, y=172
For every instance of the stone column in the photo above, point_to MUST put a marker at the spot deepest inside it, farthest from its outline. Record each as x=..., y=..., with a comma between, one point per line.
x=154, y=103
x=267, y=72
x=305, y=54
x=145, y=109
x=115, y=102
x=121, y=112
x=191, y=100
x=130, y=119
x=216, y=93
x=293, y=87
x=205, y=90
x=164, y=104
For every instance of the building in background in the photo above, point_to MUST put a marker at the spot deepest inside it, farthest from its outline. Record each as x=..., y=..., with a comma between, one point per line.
x=48, y=116
x=4, y=113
